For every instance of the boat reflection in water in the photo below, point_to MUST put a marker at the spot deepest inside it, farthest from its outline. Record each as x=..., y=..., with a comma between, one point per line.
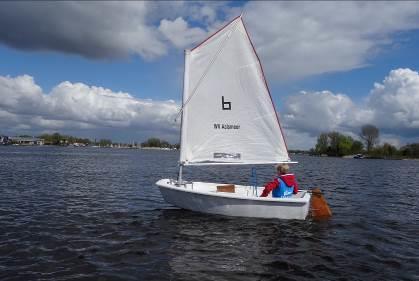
x=206, y=247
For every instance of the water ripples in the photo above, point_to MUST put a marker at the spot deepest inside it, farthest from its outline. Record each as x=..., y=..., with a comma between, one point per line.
x=81, y=214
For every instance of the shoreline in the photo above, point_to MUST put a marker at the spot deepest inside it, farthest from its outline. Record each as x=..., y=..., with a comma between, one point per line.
x=88, y=146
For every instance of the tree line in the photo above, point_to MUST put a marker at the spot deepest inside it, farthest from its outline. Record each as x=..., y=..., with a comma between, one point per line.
x=58, y=139
x=156, y=142
x=337, y=144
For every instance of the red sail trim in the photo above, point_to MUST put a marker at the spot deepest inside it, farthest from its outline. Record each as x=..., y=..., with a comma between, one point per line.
x=266, y=85
x=215, y=33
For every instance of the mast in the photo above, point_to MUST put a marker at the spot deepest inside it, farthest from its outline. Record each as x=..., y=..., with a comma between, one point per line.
x=185, y=90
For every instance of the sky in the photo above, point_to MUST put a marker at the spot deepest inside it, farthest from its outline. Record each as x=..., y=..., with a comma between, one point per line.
x=114, y=69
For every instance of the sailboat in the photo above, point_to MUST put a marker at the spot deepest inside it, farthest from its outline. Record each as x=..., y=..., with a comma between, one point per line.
x=228, y=118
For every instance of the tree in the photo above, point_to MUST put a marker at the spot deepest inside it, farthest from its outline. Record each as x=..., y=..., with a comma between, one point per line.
x=410, y=150
x=53, y=139
x=322, y=143
x=357, y=147
x=345, y=145
x=164, y=144
x=370, y=134
x=339, y=144
x=152, y=142
x=334, y=143
x=389, y=150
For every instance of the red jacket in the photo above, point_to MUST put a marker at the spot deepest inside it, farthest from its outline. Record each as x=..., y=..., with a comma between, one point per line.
x=289, y=180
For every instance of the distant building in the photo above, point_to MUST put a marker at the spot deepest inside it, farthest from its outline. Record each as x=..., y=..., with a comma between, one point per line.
x=26, y=141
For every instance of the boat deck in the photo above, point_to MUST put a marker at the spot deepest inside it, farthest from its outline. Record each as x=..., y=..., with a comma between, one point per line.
x=240, y=191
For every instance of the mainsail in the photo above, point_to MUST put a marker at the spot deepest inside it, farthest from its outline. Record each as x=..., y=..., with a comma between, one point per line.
x=227, y=114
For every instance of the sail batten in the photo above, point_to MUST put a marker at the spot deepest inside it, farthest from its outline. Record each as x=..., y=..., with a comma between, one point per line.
x=228, y=115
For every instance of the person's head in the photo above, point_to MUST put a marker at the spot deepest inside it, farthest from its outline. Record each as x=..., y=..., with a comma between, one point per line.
x=282, y=169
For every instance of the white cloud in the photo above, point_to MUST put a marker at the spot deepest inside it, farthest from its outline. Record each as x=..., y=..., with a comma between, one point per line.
x=76, y=106
x=396, y=101
x=307, y=114
x=20, y=94
x=299, y=140
x=318, y=111
x=299, y=39
x=391, y=106
x=179, y=34
x=390, y=139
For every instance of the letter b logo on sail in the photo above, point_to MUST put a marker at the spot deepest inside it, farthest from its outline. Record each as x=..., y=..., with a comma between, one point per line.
x=226, y=105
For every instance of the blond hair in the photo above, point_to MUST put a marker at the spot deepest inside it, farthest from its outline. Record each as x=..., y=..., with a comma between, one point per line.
x=282, y=168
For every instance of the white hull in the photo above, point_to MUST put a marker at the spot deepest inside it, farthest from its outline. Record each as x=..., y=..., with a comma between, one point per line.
x=203, y=197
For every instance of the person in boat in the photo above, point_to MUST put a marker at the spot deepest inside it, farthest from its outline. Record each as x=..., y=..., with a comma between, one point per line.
x=284, y=185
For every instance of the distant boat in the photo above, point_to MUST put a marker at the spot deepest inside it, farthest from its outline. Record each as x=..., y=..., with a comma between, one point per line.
x=359, y=156
x=228, y=118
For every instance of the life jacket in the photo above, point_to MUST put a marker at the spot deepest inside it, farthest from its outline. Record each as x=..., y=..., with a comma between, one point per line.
x=282, y=190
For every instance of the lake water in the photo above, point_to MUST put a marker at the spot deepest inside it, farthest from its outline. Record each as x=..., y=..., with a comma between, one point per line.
x=95, y=214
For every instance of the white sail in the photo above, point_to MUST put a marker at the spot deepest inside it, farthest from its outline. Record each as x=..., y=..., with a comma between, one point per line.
x=228, y=115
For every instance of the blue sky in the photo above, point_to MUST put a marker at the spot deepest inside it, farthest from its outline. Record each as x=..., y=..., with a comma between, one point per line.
x=123, y=64
x=133, y=75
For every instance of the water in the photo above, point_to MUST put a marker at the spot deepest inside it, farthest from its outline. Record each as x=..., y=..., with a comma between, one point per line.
x=95, y=214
